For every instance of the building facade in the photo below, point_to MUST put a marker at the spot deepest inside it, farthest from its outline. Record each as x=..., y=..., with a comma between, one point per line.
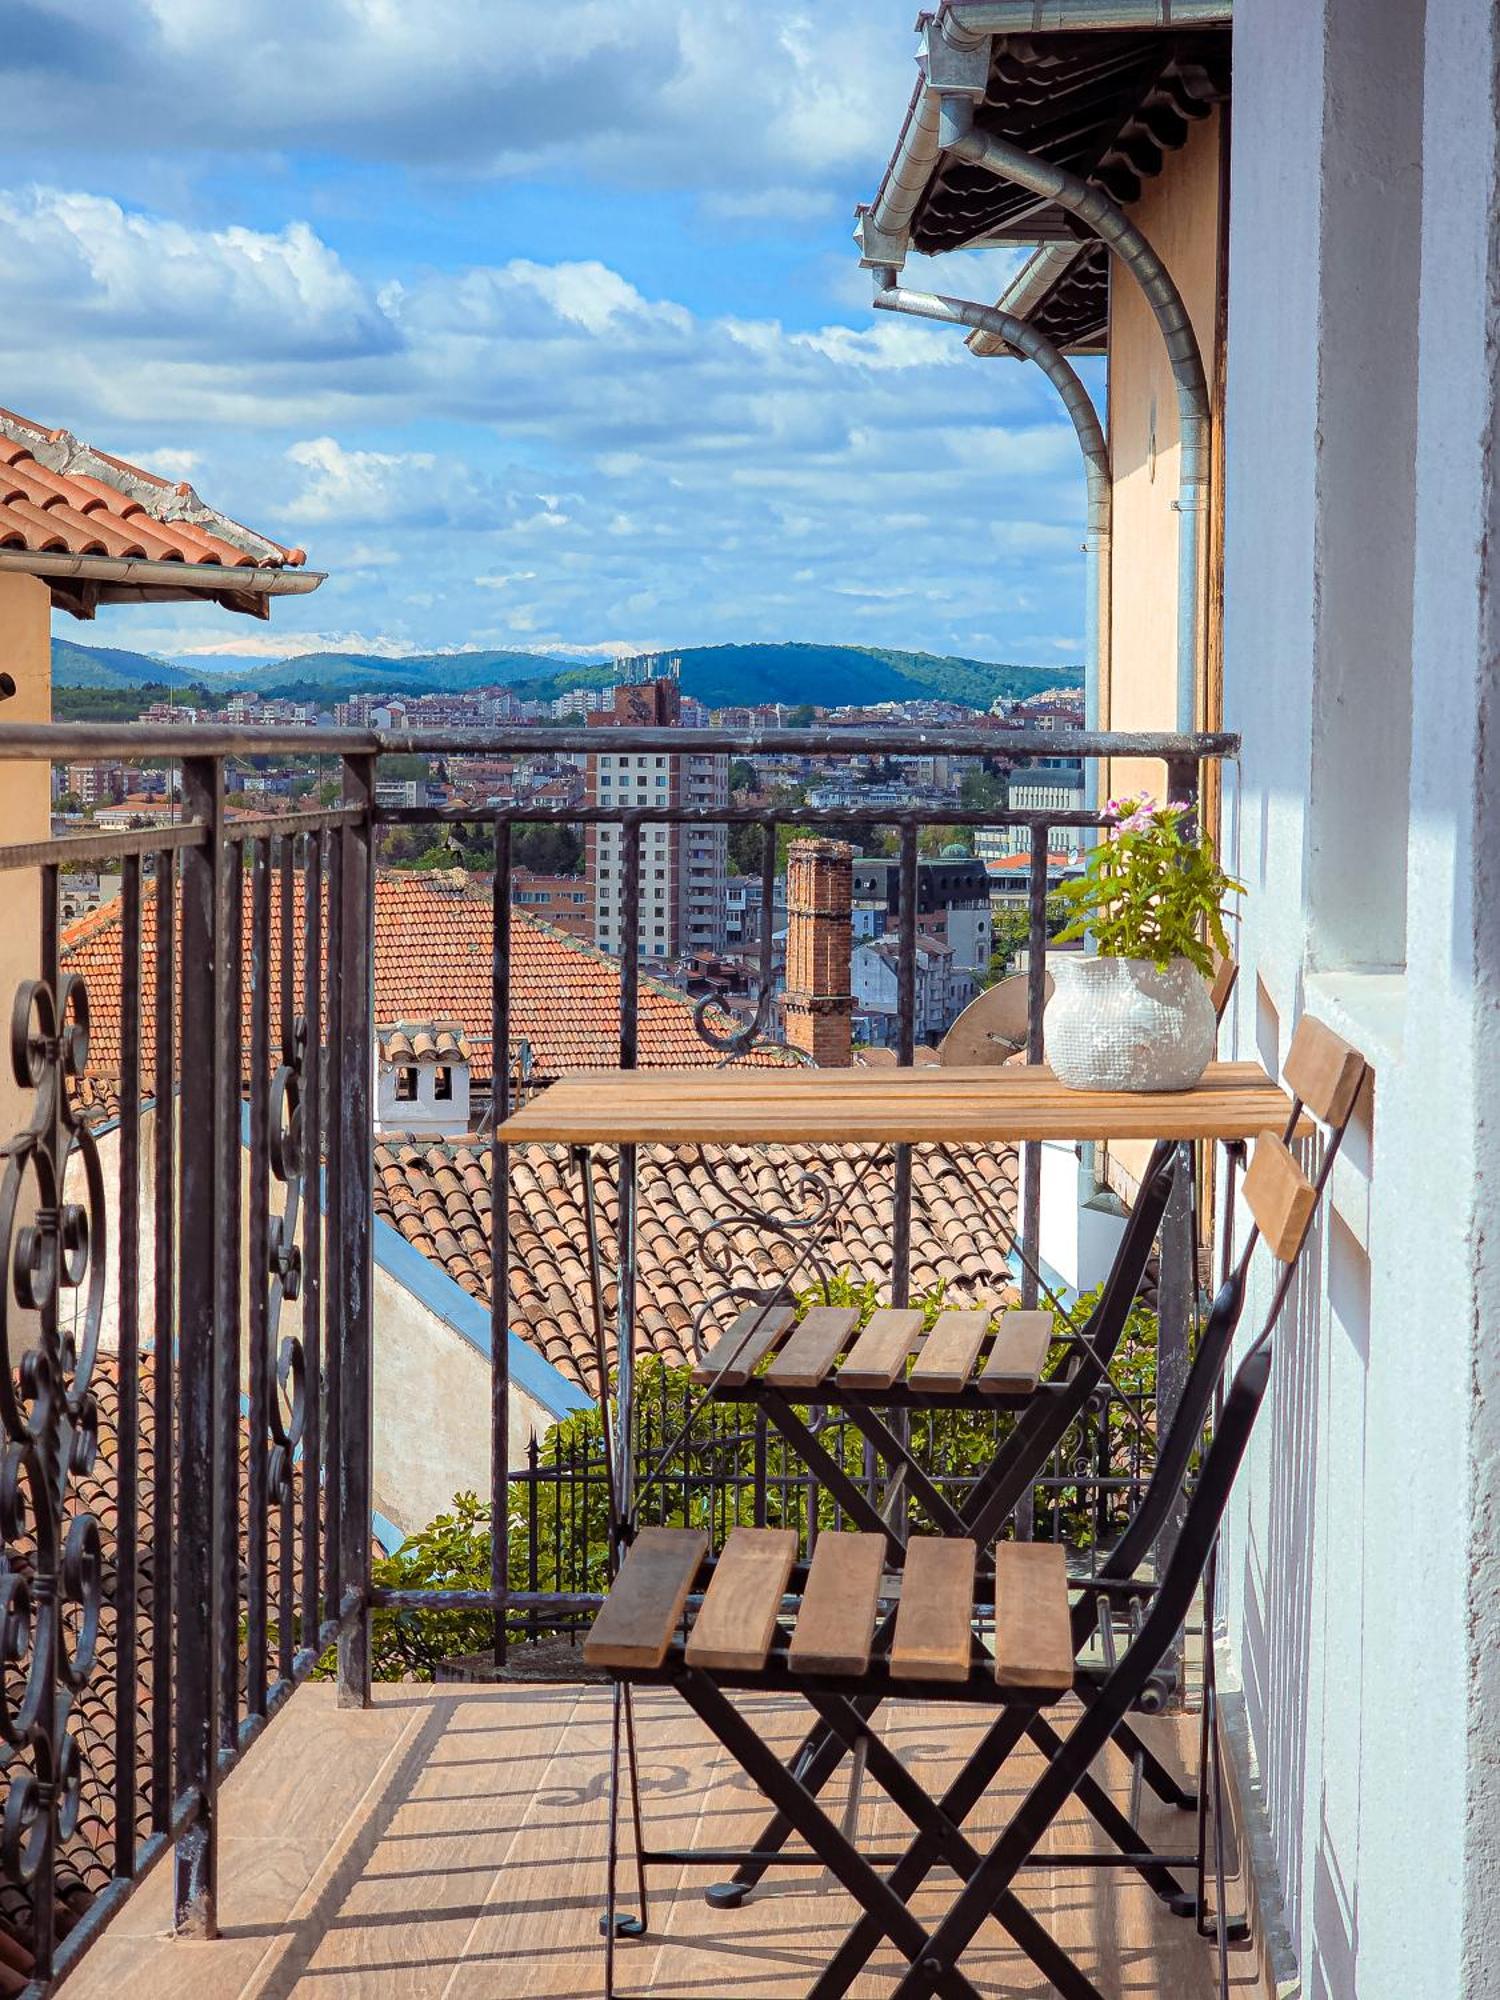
x=1336, y=250
x=683, y=866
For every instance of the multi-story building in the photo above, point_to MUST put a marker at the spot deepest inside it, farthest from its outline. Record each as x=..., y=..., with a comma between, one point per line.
x=564, y=901
x=953, y=904
x=1044, y=784
x=941, y=989
x=94, y=784
x=684, y=867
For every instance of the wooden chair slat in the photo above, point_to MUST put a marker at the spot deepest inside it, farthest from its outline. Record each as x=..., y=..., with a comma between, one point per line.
x=733, y=1630
x=1033, y=1625
x=1018, y=1353
x=837, y=1621
x=812, y=1348
x=879, y=1355
x=1279, y=1195
x=1324, y=1071
x=1226, y=978
x=934, y=1622
x=732, y=1359
x=644, y=1607
x=946, y=1358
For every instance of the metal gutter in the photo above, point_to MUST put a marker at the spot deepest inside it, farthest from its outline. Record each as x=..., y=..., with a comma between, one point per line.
x=1108, y=221
x=1043, y=269
x=969, y=20
x=885, y=225
x=242, y=580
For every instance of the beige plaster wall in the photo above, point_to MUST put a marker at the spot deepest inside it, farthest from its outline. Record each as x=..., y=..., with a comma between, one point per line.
x=1179, y=214
x=25, y=803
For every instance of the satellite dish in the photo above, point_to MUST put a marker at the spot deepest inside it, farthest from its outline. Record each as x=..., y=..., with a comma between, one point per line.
x=992, y=1028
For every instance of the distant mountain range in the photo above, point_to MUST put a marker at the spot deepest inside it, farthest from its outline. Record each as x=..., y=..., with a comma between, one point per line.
x=720, y=676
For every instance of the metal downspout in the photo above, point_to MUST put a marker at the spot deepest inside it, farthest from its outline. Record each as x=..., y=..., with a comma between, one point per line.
x=1110, y=223
x=1024, y=340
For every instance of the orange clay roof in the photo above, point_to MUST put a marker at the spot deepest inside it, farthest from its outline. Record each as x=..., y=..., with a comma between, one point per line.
x=432, y=962
x=58, y=496
x=438, y=1195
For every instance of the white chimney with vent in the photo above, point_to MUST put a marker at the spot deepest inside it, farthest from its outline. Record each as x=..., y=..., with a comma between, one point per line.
x=422, y=1079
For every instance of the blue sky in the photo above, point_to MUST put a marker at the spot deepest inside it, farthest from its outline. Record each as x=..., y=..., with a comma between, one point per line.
x=536, y=326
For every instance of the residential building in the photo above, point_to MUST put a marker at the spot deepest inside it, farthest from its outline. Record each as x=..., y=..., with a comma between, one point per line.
x=941, y=990
x=683, y=867
x=953, y=903
x=93, y=784
x=1042, y=785
x=1300, y=498
x=70, y=546
x=564, y=901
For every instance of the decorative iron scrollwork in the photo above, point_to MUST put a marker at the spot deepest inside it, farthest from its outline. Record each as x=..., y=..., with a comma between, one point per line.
x=52, y=1272
x=283, y=1254
x=803, y=1225
x=743, y=1038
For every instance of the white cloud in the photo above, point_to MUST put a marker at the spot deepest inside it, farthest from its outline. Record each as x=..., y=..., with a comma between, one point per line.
x=549, y=449
x=91, y=264
x=733, y=96
x=347, y=485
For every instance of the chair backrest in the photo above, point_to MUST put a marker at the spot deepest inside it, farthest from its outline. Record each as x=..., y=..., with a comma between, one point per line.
x=1226, y=977
x=1173, y=1599
x=1325, y=1076
x=993, y=1027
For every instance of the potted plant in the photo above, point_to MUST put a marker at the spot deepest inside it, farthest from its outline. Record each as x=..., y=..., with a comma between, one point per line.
x=1138, y=1015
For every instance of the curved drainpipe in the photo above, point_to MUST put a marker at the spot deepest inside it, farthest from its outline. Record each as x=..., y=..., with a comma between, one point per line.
x=1109, y=222
x=1026, y=341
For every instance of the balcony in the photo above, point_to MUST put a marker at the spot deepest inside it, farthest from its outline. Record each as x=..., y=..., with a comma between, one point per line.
x=226, y=1401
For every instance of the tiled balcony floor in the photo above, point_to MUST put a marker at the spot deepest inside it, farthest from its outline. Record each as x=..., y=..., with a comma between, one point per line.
x=448, y=1843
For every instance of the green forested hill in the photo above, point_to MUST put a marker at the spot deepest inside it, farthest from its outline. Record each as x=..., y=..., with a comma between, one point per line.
x=721, y=676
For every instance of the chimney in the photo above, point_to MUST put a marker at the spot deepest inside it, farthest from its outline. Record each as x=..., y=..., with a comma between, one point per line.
x=819, y=1005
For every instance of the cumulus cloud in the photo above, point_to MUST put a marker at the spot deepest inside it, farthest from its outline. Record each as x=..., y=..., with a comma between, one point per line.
x=89, y=264
x=540, y=452
x=737, y=92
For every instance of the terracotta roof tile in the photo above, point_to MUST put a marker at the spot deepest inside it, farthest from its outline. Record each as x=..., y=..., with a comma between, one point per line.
x=433, y=958
x=58, y=495
x=438, y=1196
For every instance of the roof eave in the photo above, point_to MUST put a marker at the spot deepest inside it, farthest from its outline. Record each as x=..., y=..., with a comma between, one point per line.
x=79, y=583
x=956, y=42
x=1045, y=269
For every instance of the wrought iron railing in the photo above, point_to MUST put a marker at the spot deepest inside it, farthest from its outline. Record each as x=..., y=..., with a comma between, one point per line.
x=186, y=1317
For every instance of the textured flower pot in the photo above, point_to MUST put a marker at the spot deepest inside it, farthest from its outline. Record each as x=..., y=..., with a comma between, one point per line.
x=1123, y=1024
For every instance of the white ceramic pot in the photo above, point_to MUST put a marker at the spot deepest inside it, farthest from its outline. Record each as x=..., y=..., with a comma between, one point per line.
x=1123, y=1024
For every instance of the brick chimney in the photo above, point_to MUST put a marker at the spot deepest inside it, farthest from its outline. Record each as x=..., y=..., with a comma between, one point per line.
x=819, y=1005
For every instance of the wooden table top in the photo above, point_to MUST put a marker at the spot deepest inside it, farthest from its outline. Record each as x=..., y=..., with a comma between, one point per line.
x=859, y=1106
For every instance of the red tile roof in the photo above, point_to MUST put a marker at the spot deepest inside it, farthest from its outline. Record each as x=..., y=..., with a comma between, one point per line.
x=439, y=1197
x=63, y=497
x=433, y=958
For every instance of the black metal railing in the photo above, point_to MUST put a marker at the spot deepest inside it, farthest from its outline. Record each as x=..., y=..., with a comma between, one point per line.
x=186, y=1484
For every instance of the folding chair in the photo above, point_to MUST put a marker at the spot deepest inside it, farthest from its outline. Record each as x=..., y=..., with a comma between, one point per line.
x=651, y=1629
x=1047, y=1409
x=957, y=1366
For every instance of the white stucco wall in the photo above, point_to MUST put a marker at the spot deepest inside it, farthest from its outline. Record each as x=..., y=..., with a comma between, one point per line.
x=1361, y=1574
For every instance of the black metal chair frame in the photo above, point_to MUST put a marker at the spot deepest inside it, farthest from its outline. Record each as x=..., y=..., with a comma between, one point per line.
x=1044, y=1419
x=1107, y=1695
